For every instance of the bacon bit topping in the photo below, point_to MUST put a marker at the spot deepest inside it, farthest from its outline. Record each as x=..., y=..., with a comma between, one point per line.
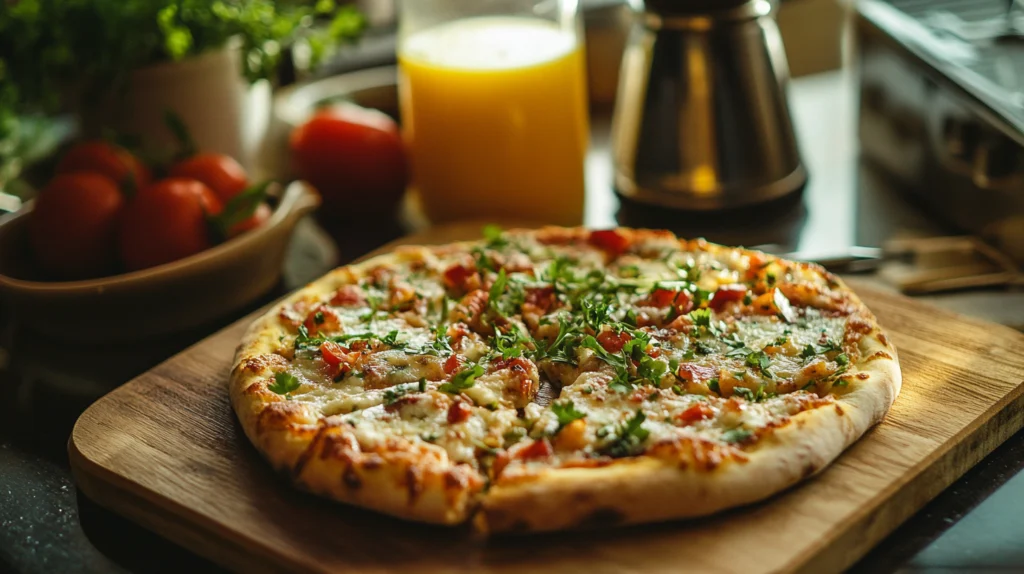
x=543, y=298
x=458, y=412
x=462, y=277
x=348, y=296
x=695, y=413
x=609, y=241
x=612, y=341
x=727, y=294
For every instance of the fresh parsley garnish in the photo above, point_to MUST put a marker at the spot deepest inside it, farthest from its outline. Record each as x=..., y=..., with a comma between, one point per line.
x=701, y=317
x=566, y=413
x=391, y=339
x=808, y=352
x=284, y=383
x=494, y=236
x=511, y=342
x=759, y=360
x=629, y=437
x=737, y=435
x=396, y=392
x=462, y=380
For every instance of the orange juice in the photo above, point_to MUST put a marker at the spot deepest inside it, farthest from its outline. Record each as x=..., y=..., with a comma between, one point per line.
x=494, y=111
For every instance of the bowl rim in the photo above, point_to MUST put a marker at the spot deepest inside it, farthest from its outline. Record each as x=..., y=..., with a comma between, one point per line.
x=298, y=199
x=294, y=104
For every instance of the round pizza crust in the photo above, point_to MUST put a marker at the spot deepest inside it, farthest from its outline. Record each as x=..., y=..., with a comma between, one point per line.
x=320, y=455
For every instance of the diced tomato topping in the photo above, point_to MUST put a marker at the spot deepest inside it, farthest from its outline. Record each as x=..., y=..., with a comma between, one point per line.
x=536, y=449
x=348, y=295
x=697, y=412
x=462, y=277
x=453, y=364
x=458, y=412
x=609, y=241
x=333, y=353
x=691, y=372
x=612, y=341
x=322, y=318
x=665, y=297
x=727, y=294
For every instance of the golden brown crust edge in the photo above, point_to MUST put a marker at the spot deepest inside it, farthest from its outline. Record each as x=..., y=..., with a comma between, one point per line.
x=647, y=489
x=312, y=452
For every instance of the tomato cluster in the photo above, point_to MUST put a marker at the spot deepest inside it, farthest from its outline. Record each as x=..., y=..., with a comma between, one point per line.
x=103, y=208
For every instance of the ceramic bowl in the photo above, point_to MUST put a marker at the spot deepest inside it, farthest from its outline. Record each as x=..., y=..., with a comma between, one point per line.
x=158, y=301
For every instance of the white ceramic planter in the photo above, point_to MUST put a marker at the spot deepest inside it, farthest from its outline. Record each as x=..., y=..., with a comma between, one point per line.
x=223, y=112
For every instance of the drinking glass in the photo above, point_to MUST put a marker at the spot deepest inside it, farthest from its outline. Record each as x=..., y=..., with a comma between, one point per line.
x=494, y=108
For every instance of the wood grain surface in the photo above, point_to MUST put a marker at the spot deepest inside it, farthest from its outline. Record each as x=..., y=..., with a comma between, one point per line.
x=165, y=451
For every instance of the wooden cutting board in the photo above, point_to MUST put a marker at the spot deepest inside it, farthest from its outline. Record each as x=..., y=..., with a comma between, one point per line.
x=165, y=451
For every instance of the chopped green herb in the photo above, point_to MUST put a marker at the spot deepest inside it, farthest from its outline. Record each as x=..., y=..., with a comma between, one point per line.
x=737, y=435
x=842, y=359
x=704, y=348
x=701, y=317
x=422, y=385
x=808, y=352
x=318, y=318
x=629, y=271
x=713, y=385
x=396, y=392
x=759, y=360
x=462, y=380
x=494, y=236
x=629, y=437
x=284, y=383
x=678, y=390
x=566, y=413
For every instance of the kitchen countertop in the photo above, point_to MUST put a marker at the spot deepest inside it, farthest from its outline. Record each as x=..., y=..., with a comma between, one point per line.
x=45, y=526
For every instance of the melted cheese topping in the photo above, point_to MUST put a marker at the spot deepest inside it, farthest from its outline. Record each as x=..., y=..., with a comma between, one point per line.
x=640, y=345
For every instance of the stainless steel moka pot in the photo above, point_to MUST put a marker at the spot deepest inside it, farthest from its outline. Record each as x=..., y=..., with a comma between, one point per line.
x=701, y=120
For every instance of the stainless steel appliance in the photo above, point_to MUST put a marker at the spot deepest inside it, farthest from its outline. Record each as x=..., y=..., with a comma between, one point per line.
x=942, y=108
x=701, y=121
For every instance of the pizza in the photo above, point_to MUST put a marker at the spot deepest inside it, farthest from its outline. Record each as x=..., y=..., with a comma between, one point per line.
x=561, y=378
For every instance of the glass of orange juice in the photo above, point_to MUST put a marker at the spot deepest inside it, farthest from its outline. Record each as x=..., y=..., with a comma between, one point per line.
x=494, y=108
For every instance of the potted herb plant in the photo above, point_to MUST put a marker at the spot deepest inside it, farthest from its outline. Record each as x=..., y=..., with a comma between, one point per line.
x=121, y=65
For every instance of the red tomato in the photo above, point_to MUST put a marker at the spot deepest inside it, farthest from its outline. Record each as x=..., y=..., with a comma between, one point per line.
x=221, y=173
x=609, y=241
x=726, y=294
x=73, y=227
x=333, y=353
x=612, y=341
x=458, y=412
x=258, y=218
x=106, y=159
x=166, y=222
x=354, y=157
